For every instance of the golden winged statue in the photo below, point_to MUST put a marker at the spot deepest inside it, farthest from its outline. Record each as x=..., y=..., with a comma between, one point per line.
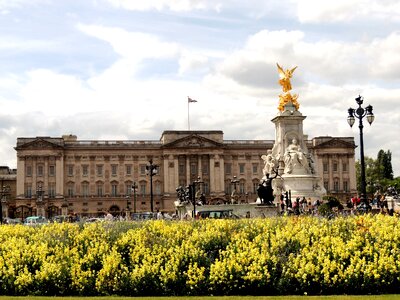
x=284, y=81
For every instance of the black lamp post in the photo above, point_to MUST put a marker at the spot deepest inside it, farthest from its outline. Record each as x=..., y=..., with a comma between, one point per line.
x=360, y=113
x=192, y=193
x=5, y=191
x=151, y=170
x=39, y=199
x=234, y=182
x=134, y=188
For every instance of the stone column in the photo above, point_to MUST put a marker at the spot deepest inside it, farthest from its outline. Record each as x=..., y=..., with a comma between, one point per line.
x=212, y=174
x=176, y=171
x=199, y=168
x=60, y=176
x=20, y=176
x=188, y=169
x=167, y=176
x=221, y=174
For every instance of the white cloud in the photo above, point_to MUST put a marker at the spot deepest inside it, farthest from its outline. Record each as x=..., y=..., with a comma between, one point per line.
x=316, y=11
x=192, y=62
x=143, y=90
x=135, y=46
x=174, y=5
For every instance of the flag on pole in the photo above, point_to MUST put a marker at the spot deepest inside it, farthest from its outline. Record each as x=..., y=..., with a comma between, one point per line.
x=190, y=100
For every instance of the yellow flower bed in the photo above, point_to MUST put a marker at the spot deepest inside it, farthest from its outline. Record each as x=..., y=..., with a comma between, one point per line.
x=282, y=255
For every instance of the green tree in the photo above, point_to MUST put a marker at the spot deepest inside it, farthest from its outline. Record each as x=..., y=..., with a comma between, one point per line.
x=384, y=163
x=378, y=173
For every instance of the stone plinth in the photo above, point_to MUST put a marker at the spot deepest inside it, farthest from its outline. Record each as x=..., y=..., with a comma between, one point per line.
x=308, y=186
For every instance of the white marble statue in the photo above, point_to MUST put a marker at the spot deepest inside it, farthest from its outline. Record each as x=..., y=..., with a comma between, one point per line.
x=295, y=158
x=269, y=163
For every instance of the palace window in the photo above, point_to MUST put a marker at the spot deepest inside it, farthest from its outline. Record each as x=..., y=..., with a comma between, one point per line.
x=344, y=167
x=70, y=169
x=325, y=166
x=114, y=189
x=128, y=189
x=255, y=186
x=181, y=169
x=70, y=190
x=114, y=170
x=28, y=191
x=52, y=190
x=85, y=189
x=205, y=169
x=241, y=168
x=193, y=169
x=336, y=185
x=85, y=170
x=143, y=188
x=99, y=170
x=206, y=188
x=335, y=166
x=242, y=187
x=52, y=170
x=40, y=170
x=128, y=170
x=142, y=169
x=99, y=189
x=326, y=185
x=228, y=168
x=255, y=168
x=158, y=188
x=228, y=187
x=29, y=171
x=345, y=186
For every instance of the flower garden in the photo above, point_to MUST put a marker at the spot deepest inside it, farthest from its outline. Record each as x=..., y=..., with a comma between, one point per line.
x=272, y=256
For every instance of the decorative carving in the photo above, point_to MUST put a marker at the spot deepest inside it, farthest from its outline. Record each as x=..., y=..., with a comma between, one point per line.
x=284, y=81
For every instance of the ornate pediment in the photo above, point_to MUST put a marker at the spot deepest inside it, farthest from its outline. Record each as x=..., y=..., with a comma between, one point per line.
x=336, y=143
x=38, y=144
x=193, y=141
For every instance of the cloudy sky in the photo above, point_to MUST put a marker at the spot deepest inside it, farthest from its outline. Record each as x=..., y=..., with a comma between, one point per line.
x=123, y=69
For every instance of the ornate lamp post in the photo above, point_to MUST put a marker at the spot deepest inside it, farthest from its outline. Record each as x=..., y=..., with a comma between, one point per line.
x=134, y=188
x=234, y=182
x=151, y=170
x=39, y=201
x=192, y=193
x=360, y=113
x=5, y=191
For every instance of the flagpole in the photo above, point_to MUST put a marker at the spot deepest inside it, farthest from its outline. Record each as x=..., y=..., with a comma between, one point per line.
x=190, y=100
x=188, y=116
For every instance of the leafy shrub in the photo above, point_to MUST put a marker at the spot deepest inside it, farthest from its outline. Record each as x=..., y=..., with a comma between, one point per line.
x=282, y=255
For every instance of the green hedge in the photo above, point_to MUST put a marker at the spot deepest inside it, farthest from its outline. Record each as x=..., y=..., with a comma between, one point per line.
x=282, y=255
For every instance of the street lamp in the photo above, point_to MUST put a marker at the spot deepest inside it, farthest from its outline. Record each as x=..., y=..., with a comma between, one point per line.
x=39, y=201
x=151, y=170
x=234, y=182
x=360, y=113
x=134, y=188
x=192, y=193
x=5, y=191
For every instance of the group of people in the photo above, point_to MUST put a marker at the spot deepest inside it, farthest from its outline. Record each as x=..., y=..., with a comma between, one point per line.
x=384, y=202
x=300, y=206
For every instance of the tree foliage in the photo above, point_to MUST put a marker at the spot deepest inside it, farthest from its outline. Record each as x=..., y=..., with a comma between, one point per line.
x=378, y=172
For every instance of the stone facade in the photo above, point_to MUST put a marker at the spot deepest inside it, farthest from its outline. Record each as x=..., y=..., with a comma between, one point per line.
x=8, y=178
x=60, y=175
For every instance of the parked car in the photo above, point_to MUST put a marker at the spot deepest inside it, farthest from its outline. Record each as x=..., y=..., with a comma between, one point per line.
x=11, y=221
x=216, y=214
x=35, y=221
x=92, y=220
x=144, y=216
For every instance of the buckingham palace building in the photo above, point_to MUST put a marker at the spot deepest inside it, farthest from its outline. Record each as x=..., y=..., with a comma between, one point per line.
x=65, y=175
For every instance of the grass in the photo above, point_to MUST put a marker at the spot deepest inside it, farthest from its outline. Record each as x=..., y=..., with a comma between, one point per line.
x=341, y=297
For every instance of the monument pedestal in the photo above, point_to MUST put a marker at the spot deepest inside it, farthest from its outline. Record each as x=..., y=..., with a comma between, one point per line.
x=306, y=185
